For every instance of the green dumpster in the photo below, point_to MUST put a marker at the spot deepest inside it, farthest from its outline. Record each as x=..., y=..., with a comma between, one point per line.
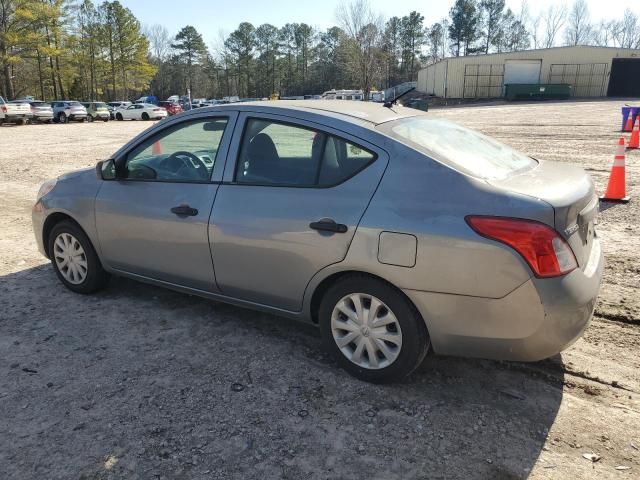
x=537, y=91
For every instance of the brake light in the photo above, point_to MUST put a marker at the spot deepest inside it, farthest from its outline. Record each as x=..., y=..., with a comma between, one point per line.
x=4, y=109
x=541, y=246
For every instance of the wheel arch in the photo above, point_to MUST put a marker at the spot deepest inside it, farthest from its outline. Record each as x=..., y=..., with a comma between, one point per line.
x=51, y=221
x=325, y=284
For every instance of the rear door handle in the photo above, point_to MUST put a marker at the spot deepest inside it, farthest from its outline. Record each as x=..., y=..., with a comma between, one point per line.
x=184, y=211
x=328, y=225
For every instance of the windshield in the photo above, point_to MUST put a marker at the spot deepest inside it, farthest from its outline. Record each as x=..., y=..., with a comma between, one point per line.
x=466, y=149
x=100, y=105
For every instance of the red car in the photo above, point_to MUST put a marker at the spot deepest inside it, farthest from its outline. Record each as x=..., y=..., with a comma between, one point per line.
x=171, y=107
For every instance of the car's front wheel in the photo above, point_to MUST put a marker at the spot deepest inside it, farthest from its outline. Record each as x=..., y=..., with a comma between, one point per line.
x=372, y=330
x=74, y=259
x=119, y=117
x=145, y=116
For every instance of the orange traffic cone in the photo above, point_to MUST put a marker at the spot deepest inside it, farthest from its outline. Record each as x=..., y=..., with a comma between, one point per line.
x=616, y=190
x=629, y=125
x=156, y=149
x=634, y=141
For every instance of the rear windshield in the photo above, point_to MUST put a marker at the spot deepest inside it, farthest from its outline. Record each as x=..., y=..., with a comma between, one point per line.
x=465, y=149
x=100, y=105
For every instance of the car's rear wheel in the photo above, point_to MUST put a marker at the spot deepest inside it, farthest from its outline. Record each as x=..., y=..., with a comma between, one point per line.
x=372, y=330
x=62, y=118
x=119, y=117
x=74, y=259
x=145, y=116
x=91, y=119
x=105, y=119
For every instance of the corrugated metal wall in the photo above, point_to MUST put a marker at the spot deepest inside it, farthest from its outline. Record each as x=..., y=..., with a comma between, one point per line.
x=585, y=68
x=433, y=79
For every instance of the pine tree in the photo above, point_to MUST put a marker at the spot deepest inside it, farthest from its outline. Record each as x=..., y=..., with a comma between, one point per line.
x=191, y=49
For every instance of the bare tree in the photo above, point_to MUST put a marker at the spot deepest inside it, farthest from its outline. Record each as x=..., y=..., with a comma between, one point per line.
x=579, y=29
x=553, y=19
x=363, y=28
x=603, y=33
x=626, y=33
x=534, y=29
x=159, y=41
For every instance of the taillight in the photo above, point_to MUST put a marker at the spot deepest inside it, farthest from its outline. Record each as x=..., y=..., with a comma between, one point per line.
x=541, y=246
x=4, y=109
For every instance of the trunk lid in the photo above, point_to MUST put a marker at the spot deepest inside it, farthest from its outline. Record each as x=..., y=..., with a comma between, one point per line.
x=571, y=193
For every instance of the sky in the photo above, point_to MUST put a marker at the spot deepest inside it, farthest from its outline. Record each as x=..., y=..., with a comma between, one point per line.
x=211, y=17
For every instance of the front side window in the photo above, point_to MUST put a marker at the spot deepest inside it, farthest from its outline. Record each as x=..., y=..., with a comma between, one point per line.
x=182, y=153
x=274, y=153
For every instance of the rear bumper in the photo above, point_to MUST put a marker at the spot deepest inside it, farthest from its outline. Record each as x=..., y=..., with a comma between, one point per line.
x=537, y=320
x=10, y=117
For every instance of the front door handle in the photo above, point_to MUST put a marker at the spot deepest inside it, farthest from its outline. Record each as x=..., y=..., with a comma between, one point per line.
x=328, y=225
x=184, y=211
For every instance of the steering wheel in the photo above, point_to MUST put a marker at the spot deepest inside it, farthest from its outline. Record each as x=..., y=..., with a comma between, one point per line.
x=179, y=160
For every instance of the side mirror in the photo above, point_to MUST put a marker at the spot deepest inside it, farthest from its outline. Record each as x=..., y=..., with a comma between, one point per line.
x=106, y=169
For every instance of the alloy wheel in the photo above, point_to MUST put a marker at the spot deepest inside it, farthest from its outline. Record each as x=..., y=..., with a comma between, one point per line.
x=70, y=258
x=366, y=331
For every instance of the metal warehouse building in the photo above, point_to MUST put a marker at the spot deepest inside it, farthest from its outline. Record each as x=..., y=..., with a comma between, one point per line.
x=591, y=72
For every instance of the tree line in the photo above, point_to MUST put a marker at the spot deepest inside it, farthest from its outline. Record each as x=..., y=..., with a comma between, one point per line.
x=81, y=49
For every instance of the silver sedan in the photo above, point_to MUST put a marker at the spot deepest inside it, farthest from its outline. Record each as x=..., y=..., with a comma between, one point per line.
x=395, y=232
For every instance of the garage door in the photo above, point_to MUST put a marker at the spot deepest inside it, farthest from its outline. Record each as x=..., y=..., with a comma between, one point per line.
x=625, y=78
x=522, y=71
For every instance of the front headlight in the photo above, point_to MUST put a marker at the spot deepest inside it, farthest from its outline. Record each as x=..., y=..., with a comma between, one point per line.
x=46, y=187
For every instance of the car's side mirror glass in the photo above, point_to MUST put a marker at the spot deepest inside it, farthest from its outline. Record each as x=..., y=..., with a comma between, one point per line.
x=106, y=169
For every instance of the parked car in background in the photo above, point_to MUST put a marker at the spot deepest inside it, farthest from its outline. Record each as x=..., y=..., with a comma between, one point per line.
x=395, y=232
x=15, y=112
x=357, y=95
x=42, y=111
x=68, y=110
x=141, y=111
x=148, y=99
x=97, y=111
x=172, y=108
x=115, y=106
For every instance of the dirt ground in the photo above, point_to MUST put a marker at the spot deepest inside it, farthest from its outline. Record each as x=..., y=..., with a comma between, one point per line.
x=142, y=383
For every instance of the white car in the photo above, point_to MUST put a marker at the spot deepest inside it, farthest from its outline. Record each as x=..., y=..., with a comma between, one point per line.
x=141, y=111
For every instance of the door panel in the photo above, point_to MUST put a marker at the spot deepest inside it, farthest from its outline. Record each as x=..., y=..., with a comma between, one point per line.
x=264, y=249
x=153, y=220
x=139, y=234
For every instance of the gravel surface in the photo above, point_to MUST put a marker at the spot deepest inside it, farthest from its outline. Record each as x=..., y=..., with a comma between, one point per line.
x=142, y=383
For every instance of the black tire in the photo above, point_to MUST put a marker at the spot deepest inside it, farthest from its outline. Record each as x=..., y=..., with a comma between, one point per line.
x=119, y=117
x=96, y=277
x=105, y=120
x=145, y=116
x=62, y=118
x=90, y=118
x=415, y=338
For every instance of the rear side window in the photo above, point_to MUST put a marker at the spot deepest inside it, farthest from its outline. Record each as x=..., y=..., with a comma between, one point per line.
x=274, y=153
x=468, y=150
